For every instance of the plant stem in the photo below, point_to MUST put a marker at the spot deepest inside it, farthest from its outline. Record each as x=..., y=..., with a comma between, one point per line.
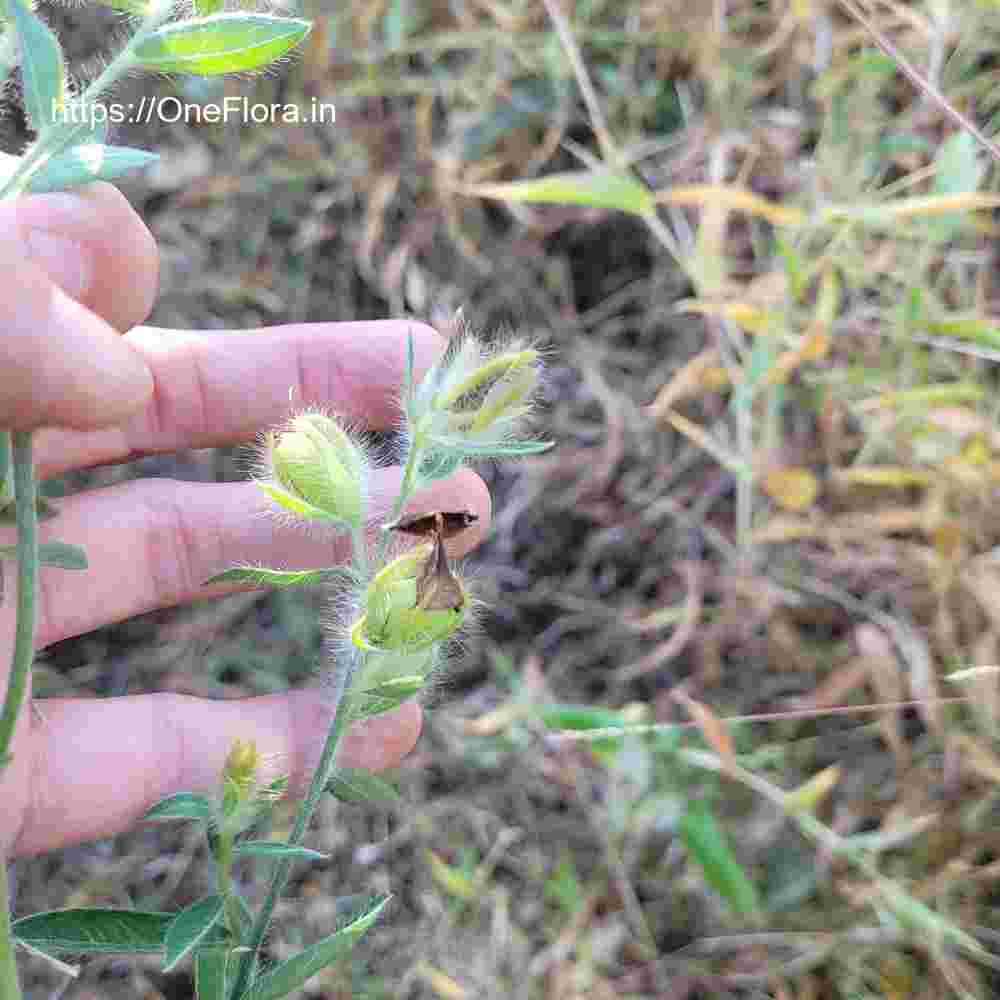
x=17, y=682
x=10, y=989
x=27, y=572
x=223, y=854
x=320, y=779
x=55, y=141
x=321, y=776
x=405, y=489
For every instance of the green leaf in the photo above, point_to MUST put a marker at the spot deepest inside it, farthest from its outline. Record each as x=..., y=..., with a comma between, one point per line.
x=92, y=930
x=6, y=470
x=579, y=717
x=708, y=845
x=275, y=849
x=43, y=72
x=45, y=510
x=203, y=8
x=509, y=449
x=86, y=163
x=183, y=805
x=210, y=965
x=190, y=927
x=959, y=170
x=355, y=784
x=58, y=555
x=262, y=576
x=386, y=696
x=437, y=465
x=62, y=555
x=584, y=718
x=137, y=7
x=221, y=43
x=597, y=188
x=291, y=974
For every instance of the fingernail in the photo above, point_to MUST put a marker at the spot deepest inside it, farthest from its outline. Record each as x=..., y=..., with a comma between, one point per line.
x=67, y=262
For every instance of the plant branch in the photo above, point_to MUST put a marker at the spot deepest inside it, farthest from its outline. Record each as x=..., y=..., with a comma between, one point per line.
x=9, y=987
x=27, y=573
x=279, y=880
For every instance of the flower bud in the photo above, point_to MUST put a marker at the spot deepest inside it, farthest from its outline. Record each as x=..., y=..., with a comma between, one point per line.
x=471, y=405
x=320, y=471
x=473, y=378
x=242, y=763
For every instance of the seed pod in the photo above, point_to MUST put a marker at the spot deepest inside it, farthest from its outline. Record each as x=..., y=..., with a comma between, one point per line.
x=393, y=618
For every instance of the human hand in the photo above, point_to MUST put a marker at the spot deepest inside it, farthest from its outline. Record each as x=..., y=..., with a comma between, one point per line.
x=86, y=768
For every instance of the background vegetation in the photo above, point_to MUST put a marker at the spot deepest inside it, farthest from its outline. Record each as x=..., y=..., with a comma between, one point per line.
x=774, y=482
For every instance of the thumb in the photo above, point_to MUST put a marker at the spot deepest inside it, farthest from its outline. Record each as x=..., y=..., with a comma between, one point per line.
x=60, y=363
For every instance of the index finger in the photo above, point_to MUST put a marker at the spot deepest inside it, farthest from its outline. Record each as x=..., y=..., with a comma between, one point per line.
x=223, y=387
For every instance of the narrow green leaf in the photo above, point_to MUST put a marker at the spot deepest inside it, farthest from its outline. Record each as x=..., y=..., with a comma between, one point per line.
x=87, y=163
x=409, y=386
x=92, y=930
x=762, y=356
x=509, y=449
x=6, y=470
x=386, y=696
x=959, y=171
x=8, y=55
x=364, y=705
x=190, y=927
x=210, y=965
x=355, y=784
x=262, y=576
x=58, y=555
x=46, y=511
x=62, y=555
x=137, y=7
x=598, y=188
x=43, y=71
x=275, y=849
x=287, y=977
x=437, y=464
x=221, y=43
x=708, y=845
x=183, y=805
x=580, y=717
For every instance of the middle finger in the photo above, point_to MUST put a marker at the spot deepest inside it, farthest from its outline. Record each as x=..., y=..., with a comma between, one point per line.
x=223, y=387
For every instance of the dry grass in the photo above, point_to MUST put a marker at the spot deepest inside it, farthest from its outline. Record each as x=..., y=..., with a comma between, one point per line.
x=777, y=467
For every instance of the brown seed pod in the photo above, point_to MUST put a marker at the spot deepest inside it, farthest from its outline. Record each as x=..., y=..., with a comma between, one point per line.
x=437, y=588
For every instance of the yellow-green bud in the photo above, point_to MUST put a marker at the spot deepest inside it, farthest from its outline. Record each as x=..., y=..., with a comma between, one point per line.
x=242, y=763
x=316, y=462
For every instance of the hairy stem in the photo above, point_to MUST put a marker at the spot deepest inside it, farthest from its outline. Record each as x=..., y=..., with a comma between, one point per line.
x=17, y=682
x=324, y=770
x=405, y=489
x=27, y=573
x=320, y=779
x=10, y=989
